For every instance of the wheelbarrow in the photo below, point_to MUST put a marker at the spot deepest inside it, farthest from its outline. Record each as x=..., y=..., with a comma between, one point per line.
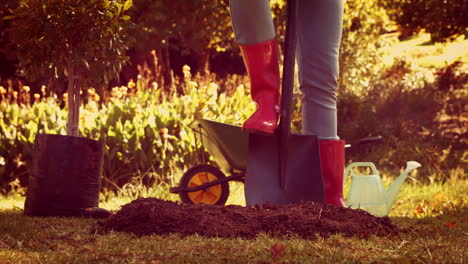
x=228, y=145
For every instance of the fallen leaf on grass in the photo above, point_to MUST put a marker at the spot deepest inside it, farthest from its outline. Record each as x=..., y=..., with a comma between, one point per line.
x=277, y=250
x=419, y=210
x=450, y=224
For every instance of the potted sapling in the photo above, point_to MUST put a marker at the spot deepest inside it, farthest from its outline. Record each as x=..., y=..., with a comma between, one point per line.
x=85, y=42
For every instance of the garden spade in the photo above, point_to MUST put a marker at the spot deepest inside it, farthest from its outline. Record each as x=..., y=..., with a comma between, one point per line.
x=284, y=167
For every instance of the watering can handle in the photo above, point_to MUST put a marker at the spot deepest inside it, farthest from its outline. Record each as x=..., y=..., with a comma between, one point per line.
x=353, y=165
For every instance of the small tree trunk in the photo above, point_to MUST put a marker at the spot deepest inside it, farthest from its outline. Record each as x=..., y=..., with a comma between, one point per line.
x=73, y=103
x=203, y=62
x=168, y=81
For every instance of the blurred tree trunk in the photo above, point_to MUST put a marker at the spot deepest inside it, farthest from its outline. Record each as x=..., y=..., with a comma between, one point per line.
x=166, y=62
x=73, y=101
x=203, y=61
x=162, y=68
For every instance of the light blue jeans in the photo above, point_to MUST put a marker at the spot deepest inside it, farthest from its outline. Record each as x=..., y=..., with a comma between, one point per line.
x=319, y=30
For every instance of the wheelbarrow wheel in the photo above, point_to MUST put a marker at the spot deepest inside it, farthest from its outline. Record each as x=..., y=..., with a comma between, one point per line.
x=199, y=175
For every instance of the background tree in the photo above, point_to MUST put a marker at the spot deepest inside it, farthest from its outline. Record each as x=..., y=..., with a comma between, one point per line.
x=85, y=40
x=189, y=27
x=441, y=18
x=363, y=24
x=7, y=51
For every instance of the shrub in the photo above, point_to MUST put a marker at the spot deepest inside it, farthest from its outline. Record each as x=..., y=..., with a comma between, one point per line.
x=145, y=132
x=360, y=58
x=417, y=120
x=442, y=19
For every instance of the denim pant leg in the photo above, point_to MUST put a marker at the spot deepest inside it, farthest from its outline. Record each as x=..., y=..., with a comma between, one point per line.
x=251, y=21
x=319, y=36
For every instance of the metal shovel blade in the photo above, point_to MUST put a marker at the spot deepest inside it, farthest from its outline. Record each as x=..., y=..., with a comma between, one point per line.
x=279, y=175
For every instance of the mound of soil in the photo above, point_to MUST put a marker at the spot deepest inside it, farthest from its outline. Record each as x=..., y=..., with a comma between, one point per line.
x=153, y=216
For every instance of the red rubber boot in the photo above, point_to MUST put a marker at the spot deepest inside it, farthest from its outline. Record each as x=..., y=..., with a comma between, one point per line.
x=332, y=159
x=261, y=61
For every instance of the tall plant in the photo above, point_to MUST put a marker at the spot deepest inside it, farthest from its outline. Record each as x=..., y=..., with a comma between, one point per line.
x=84, y=40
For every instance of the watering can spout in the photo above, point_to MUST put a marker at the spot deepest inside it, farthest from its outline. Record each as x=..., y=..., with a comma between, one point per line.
x=393, y=190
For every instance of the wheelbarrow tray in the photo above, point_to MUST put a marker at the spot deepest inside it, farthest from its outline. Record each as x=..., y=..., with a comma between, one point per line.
x=227, y=144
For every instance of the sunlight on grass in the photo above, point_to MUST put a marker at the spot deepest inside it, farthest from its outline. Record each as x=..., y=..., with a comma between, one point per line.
x=11, y=202
x=428, y=200
x=237, y=194
x=424, y=55
x=127, y=194
x=414, y=199
x=130, y=192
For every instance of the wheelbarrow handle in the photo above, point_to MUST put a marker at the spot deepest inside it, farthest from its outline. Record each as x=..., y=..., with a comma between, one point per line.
x=364, y=141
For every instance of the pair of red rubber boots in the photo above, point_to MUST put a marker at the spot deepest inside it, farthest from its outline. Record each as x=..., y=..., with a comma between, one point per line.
x=261, y=61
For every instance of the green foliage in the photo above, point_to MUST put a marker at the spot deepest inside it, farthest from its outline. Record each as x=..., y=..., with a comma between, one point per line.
x=51, y=35
x=442, y=19
x=144, y=132
x=190, y=27
x=417, y=119
x=147, y=134
x=363, y=23
x=6, y=48
x=83, y=40
x=19, y=125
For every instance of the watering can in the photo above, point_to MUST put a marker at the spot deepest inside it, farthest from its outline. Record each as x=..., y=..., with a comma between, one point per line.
x=367, y=192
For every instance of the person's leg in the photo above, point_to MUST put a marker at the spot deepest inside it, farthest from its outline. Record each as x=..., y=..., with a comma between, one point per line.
x=319, y=36
x=255, y=34
x=251, y=21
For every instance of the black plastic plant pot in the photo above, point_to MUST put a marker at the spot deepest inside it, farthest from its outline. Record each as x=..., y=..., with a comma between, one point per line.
x=65, y=177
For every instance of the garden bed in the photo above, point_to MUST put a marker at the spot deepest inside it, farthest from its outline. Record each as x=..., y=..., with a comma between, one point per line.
x=150, y=216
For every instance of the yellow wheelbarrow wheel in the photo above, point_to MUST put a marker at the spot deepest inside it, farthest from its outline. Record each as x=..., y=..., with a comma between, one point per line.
x=199, y=175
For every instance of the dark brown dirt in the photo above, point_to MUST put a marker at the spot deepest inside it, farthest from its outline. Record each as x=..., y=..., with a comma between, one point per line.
x=306, y=220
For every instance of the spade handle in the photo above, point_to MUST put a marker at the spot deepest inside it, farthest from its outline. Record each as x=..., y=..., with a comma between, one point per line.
x=284, y=128
x=288, y=68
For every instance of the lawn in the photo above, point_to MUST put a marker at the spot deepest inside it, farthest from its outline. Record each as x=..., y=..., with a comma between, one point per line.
x=425, y=54
x=435, y=217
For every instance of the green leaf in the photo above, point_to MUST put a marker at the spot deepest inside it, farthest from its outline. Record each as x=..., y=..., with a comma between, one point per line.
x=127, y=5
x=8, y=17
x=126, y=17
x=24, y=3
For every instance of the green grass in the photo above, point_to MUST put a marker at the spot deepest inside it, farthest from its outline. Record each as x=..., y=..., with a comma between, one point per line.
x=438, y=234
x=427, y=55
